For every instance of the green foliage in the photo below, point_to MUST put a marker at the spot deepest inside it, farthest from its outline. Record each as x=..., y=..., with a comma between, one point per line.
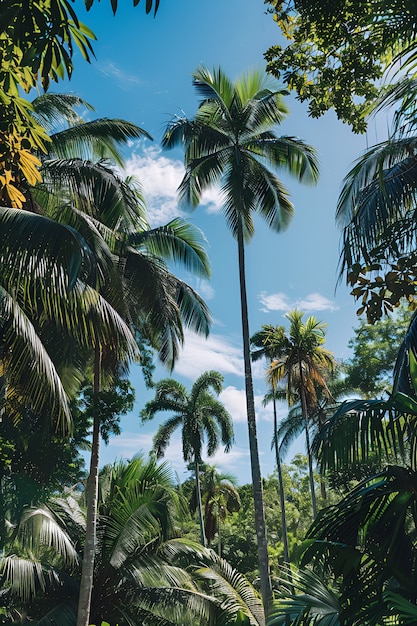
x=366, y=544
x=37, y=462
x=303, y=598
x=37, y=44
x=238, y=541
x=376, y=212
x=375, y=348
x=338, y=50
x=144, y=573
x=111, y=403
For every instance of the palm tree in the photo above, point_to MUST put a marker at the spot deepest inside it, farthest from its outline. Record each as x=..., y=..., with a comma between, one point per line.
x=302, y=361
x=199, y=414
x=369, y=534
x=132, y=285
x=144, y=573
x=220, y=498
x=262, y=344
x=231, y=141
x=321, y=405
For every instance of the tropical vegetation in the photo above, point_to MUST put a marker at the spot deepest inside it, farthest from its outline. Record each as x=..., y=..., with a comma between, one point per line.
x=200, y=415
x=87, y=287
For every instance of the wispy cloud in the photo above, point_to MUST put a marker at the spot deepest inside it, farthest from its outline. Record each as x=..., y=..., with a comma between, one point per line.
x=160, y=177
x=205, y=289
x=126, y=445
x=282, y=302
x=112, y=70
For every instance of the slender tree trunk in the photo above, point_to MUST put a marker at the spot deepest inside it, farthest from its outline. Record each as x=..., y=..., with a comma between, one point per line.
x=199, y=503
x=87, y=572
x=323, y=489
x=219, y=545
x=260, y=526
x=308, y=445
x=281, y=487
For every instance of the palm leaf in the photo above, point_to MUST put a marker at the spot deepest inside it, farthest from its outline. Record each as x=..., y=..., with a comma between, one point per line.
x=234, y=594
x=304, y=599
x=98, y=139
x=32, y=374
x=40, y=528
x=177, y=241
x=63, y=614
x=359, y=429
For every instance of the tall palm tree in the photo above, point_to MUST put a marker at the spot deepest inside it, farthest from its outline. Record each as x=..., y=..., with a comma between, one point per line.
x=262, y=344
x=302, y=362
x=132, y=283
x=199, y=414
x=231, y=141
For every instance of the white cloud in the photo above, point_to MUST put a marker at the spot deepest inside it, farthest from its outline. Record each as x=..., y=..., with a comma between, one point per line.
x=235, y=402
x=160, y=178
x=316, y=302
x=214, y=353
x=274, y=302
x=212, y=199
x=125, y=446
x=281, y=302
x=205, y=289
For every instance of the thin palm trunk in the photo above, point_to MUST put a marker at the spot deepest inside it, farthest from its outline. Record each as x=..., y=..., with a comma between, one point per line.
x=219, y=537
x=281, y=486
x=323, y=490
x=308, y=445
x=199, y=503
x=260, y=526
x=87, y=572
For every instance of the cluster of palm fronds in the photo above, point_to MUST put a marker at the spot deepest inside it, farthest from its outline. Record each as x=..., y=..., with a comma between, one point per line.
x=144, y=573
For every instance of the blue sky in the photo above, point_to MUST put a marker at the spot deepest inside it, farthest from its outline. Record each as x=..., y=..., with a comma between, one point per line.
x=142, y=73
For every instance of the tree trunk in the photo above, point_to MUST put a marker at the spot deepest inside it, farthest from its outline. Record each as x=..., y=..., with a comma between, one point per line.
x=260, y=526
x=87, y=572
x=308, y=445
x=281, y=487
x=219, y=545
x=199, y=503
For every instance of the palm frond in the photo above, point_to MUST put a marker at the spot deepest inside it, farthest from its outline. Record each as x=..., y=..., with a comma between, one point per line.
x=359, y=429
x=98, y=139
x=40, y=528
x=178, y=241
x=305, y=599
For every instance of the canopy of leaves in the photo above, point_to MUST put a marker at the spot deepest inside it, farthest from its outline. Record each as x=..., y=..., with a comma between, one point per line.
x=338, y=50
x=375, y=347
x=37, y=44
